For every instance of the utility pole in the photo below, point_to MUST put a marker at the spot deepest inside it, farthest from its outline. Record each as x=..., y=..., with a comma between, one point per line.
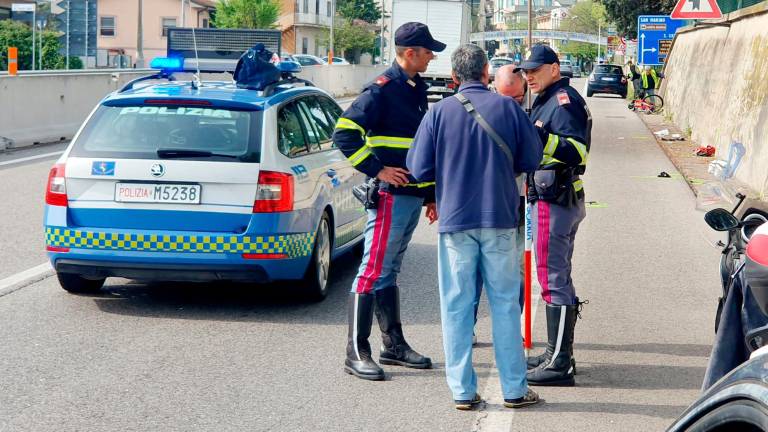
x=183, y=14
x=330, y=42
x=86, y=35
x=140, y=38
x=34, y=41
x=381, y=35
x=67, y=48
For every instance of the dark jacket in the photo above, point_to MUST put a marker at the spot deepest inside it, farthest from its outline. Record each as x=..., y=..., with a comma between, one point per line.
x=564, y=123
x=476, y=185
x=378, y=128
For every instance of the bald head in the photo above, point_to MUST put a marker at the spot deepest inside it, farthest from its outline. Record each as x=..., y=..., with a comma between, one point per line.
x=510, y=83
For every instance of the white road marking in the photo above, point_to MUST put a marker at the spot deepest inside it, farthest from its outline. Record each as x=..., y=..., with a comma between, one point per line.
x=499, y=418
x=25, y=278
x=29, y=158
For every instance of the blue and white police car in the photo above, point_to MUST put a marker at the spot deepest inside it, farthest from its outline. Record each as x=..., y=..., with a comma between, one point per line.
x=202, y=181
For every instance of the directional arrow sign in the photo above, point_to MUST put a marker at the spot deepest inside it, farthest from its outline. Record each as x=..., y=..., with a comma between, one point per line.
x=696, y=9
x=654, y=38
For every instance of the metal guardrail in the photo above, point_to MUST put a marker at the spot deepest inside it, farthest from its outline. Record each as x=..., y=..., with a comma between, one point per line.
x=52, y=72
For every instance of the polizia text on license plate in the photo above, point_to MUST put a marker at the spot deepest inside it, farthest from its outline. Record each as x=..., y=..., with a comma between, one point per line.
x=157, y=193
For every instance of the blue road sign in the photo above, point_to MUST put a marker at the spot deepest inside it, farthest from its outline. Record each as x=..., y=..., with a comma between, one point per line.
x=654, y=38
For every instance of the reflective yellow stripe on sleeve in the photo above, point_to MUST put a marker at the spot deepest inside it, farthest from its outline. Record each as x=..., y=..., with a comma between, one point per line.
x=578, y=185
x=389, y=142
x=359, y=156
x=581, y=148
x=552, y=142
x=345, y=123
x=421, y=185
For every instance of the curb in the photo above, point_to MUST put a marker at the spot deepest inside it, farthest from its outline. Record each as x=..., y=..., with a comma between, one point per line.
x=25, y=278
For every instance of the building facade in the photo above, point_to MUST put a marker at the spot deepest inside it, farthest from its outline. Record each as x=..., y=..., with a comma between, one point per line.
x=305, y=25
x=117, y=36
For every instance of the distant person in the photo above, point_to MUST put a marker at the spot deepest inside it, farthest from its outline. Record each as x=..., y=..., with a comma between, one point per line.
x=635, y=76
x=477, y=201
x=650, y=81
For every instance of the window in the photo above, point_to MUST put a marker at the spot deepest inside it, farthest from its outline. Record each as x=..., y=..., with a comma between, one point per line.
x=306, y=6
x=304, y=45
x=317, y=7
x=320, y=127
x=106, y=26
x=328, y=8
x=291, y=141
x=205, y=23
x=168, y=22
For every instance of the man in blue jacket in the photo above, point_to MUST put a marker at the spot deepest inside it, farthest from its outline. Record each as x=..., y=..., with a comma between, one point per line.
x=477, y=204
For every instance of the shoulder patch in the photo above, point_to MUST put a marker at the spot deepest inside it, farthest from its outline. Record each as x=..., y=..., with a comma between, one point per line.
x=562, y=98
x=382, y=80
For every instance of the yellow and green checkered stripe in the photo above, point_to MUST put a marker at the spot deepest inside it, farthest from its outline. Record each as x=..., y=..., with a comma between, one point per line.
x=293, y=245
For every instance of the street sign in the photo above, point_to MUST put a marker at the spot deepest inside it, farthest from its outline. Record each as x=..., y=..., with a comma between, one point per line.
x=654, y=38
x=23, y=7
x=696, y=9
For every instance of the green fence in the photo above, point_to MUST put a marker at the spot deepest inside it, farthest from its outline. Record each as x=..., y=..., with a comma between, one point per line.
x=727, y=6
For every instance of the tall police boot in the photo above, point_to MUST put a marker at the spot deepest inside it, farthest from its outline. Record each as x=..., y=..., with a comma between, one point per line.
x=394, y=349
x=359, y=361
x=534, y=361
x=558, y=370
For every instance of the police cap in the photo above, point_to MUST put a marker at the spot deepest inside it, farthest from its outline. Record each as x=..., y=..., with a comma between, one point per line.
x=416, y=34
x=540, y=55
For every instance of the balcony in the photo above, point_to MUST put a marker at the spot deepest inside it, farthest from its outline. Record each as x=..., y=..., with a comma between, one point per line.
x=312, y=19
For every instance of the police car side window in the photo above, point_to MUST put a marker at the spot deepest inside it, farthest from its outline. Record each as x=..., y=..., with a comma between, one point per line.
x=291, y=140
x=333, y=111
x=323, y=122
x=310, y=129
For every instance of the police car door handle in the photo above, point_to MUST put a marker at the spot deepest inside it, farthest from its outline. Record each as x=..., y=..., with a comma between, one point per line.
x=331, y=173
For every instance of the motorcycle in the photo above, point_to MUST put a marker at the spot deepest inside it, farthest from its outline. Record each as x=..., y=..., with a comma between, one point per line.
x=735, y=390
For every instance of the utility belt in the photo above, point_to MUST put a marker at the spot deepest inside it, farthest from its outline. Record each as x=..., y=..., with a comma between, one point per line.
x=368, y=192
x=558, y=185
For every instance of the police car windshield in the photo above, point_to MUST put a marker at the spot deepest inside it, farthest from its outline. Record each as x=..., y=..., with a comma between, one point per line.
x=180, y=132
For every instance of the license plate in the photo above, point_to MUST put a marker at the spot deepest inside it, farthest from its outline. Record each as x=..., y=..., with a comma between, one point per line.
x=609, y=79
x=440, y=89
x=157, y=193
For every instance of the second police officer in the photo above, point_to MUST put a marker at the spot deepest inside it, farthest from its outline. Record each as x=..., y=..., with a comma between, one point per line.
x=375, y=133
x=564, y=123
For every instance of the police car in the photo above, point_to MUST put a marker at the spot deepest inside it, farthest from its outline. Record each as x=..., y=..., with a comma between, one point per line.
x=190, y=181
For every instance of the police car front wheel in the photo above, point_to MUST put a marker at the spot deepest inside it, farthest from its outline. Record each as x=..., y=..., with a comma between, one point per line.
x=78, y=284
x=316, y=278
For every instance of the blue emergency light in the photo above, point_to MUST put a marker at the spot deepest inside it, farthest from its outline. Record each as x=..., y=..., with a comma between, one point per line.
x=167, y=64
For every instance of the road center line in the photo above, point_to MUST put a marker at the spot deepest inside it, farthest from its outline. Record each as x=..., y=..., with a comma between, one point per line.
x=25, y=278
x=29, y=158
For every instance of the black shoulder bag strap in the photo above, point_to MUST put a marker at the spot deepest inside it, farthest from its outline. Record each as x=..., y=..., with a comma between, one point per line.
x=484, y=124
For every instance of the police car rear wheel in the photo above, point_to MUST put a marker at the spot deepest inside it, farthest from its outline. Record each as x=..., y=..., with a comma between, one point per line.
x=316, y=279
x=78, y=284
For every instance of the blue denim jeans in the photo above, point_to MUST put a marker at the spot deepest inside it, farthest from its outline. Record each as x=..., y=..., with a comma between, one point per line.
x=492, y=253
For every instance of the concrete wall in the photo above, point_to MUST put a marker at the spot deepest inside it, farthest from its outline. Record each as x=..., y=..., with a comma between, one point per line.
x=717, y=85
x=50, y=107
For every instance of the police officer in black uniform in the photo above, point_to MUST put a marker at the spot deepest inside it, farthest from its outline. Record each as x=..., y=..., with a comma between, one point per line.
x=375, y=133
x=564, y=123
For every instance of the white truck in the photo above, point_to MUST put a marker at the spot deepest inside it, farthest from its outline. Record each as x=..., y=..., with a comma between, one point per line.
x=449, y=22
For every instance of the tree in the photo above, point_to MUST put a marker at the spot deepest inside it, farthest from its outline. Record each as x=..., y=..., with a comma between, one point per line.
x=19, y=34
x=585, y=17
x=624, y=12
x=252, y=14
x=352, y=38
x=366, y=10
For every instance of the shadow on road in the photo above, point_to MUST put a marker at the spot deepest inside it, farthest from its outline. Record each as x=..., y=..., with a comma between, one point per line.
x=683, y=350
x=635, y=376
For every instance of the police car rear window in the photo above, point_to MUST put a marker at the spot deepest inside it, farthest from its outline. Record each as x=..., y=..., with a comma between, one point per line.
x=139, y=132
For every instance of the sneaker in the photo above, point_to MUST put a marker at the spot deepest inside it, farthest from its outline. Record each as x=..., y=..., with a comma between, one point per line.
x=530, y=398
x=466, y=405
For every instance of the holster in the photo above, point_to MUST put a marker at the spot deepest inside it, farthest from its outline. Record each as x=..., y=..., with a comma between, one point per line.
x=553, y=186
x=368, y=193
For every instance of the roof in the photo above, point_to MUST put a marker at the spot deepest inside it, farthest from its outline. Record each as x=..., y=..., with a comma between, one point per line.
x=226, y=93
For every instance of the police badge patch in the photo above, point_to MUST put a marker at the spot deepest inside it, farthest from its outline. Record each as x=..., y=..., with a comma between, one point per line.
x=562, y=98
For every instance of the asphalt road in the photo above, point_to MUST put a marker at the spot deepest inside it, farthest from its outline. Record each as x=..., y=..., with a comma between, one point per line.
x=184, y=357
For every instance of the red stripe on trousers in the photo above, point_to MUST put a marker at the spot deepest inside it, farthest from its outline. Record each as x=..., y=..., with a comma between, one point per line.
x=378, y=244
x=542, y=249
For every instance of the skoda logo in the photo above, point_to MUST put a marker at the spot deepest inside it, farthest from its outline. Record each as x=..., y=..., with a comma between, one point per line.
x=157, y=170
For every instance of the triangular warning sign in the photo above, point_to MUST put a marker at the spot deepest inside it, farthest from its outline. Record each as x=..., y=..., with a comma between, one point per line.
x=696, y=9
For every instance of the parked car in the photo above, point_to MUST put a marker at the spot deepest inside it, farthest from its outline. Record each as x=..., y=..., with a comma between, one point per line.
x=308, y=60
x=576, y=72
x=607, y=78
x=498, y=62
x=186, y=181
x=566, y=68
x=336, y=61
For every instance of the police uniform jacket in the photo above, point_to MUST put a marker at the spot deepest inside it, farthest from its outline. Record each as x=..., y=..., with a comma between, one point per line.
x=378, y=128
x=565, y=127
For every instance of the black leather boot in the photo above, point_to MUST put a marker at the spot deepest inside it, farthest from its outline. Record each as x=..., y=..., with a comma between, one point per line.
x=359, y=361
x=395, y=350
x=534, y=361
x=558, y=370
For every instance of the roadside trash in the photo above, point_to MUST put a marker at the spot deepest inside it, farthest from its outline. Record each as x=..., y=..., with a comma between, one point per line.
x=673, y=137
x=664, y=174
x=662, y=133
x=706, y=151
x=595, y=204
x=725, y=169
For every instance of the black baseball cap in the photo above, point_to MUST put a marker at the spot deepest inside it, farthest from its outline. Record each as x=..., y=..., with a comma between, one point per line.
x=416, y=34
x=540, y=55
